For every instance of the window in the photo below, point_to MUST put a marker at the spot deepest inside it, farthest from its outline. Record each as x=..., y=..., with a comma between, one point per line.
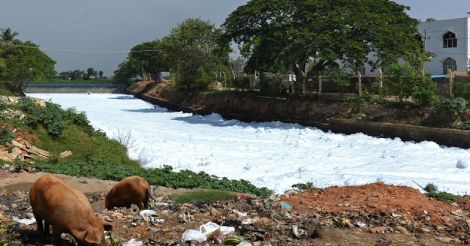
x=450, y=40
x=449, y=63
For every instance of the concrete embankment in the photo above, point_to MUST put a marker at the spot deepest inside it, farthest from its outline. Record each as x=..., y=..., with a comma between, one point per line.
x=328, y=116
x=74, y=88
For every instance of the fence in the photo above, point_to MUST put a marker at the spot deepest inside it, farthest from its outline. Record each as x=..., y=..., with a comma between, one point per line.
x=454, y=84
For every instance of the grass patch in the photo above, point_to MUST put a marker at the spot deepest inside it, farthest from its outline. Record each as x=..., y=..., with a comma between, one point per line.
x=444, y=196
x=206, y=196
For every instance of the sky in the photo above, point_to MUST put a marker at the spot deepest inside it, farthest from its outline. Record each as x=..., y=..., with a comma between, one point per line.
x=101, y=32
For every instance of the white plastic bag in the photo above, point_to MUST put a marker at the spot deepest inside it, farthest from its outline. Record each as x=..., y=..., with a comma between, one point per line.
x=194, y=235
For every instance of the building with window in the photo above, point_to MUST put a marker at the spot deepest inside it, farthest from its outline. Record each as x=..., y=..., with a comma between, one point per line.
x=449, y=42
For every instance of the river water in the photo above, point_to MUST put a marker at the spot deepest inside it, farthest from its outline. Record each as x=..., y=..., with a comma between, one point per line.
x=272, y=154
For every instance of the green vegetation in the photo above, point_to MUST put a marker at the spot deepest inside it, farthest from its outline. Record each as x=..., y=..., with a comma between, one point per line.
x=22, y=62
x=433, y=192
x=307, y=37
x=303, y=186
x=192, y=52
x=6, y=136
x=453, y=106
x=80, y=75
x=444, y=196
x=206, y=196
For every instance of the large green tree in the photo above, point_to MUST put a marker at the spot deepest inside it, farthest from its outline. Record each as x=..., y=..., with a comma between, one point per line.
x=195, y=51
x=309, y=36
x=24, y=62
x=148, y=58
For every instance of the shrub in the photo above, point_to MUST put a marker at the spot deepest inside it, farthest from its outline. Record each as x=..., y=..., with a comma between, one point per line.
x=424, y=93
x=3, y=105
x=242, y=83
x=453, y=106
x=430, y=188
x=6, y=136
x=444, y=196
x=103, y=168
x=303, y=186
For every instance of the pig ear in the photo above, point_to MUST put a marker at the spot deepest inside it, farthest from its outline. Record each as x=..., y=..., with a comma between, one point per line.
x=91, y=237
x=108, y=227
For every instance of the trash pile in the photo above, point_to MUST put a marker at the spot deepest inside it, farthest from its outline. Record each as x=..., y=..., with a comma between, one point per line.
x=295, y=218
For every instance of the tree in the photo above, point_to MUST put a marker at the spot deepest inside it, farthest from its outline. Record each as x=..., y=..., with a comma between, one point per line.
x=195, y=52
x=24, y=62
x=150, y=58
x=101, y=74
x=7, y=35
x=286, y=35
x=124, y=73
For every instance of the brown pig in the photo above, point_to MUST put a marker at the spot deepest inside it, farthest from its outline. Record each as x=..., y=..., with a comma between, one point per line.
x=67, y=210
x=131, y=190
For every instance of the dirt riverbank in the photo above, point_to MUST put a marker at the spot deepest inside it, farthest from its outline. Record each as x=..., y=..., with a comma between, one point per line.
x=331, y=113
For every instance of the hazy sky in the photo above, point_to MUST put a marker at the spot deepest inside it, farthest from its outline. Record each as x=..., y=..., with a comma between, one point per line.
x=117, y=25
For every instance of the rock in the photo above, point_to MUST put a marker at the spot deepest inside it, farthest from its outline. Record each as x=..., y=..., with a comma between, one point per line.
x=402, y=230
x=425, y=230
x=264, y=222
x=378, y=229
x=65, y=154
x=213, y=211
x=444, y=239
x=384, y=241
x=299, y=233
x=3, y=207
x=461, y=164
x=14, y=206
x=458, y=213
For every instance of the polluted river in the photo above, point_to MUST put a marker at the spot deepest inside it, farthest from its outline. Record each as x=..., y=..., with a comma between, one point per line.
x=268, y=154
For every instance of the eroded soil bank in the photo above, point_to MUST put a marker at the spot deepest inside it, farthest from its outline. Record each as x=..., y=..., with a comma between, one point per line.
x=374, y=214
x=329, y=113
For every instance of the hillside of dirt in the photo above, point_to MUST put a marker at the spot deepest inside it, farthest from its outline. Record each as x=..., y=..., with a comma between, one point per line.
x=375, y=214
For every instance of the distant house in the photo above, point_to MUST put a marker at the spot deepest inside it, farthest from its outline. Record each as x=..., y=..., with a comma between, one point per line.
x=448, y=41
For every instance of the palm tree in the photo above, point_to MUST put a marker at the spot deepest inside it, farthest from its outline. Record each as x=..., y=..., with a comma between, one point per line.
x=7, y=35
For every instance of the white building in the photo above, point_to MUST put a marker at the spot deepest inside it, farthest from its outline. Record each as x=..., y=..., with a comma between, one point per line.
x=449, y=42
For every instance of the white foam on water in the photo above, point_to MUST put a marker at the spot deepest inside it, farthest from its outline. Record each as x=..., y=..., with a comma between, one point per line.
x=271, y=154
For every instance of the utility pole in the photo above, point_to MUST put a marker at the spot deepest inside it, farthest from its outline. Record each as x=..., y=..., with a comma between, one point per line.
x=425, y=37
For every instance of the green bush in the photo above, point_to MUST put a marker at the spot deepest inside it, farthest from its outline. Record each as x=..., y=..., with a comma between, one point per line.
x=462, y=90
x=269, y=87
x=241, y=83
x=424, y=93
x=6, y=136
x=53, y=118
x=453, y=106
x=104, y=169
x=3, y=105
x=444, y=196
x=303, y=186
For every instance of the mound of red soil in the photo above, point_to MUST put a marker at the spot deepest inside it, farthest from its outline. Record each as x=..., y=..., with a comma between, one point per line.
x=371, y=198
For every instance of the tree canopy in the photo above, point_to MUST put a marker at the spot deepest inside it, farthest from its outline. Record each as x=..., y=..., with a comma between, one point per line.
x=308, y=36
x=192, y=52
x=24, y=62
x=150, y=58
x=195, y=51
x=7, y=35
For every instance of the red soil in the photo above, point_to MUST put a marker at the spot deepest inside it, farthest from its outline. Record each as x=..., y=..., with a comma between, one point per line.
x=371, y=198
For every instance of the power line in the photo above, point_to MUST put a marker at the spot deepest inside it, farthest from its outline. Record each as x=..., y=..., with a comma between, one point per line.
x=73, y=20
x=77, y=50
